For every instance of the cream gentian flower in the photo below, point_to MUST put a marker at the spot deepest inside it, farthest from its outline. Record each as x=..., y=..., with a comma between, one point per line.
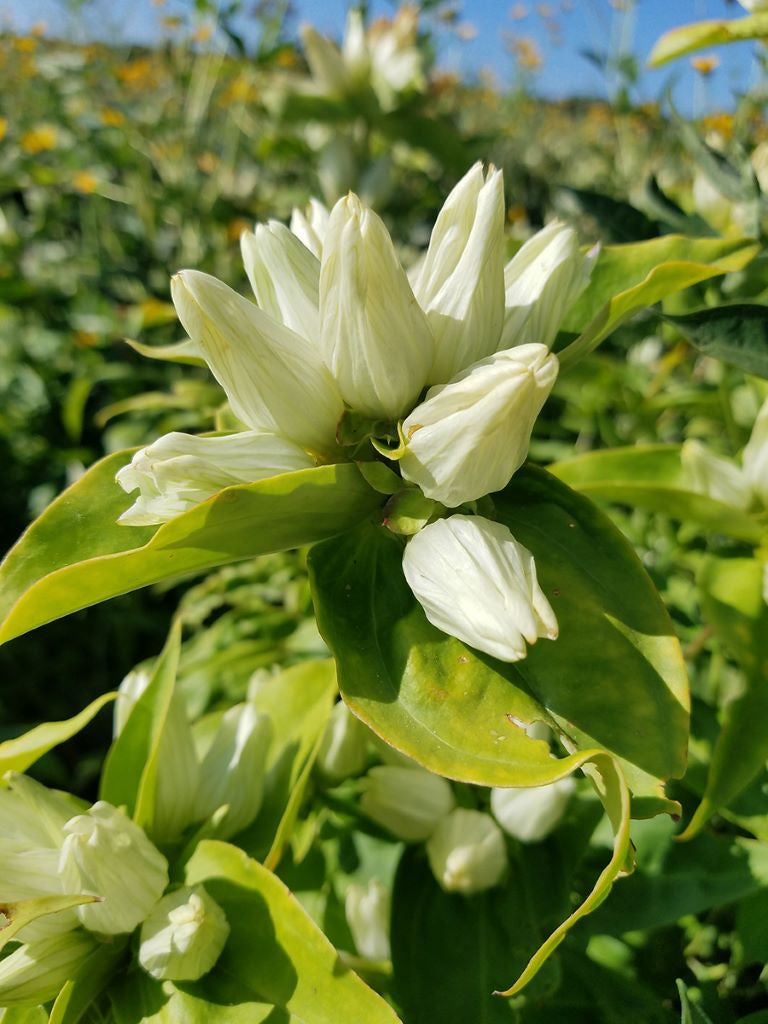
x=374, y=336
x=460, y=283
x=106, y=854
x=719, y=478
x=467, y=852
x=755, y=456
x=408, y=802
x=232, y=769
x=343, y=748
x=368, y=909
x=468, y=437
x=274, y=378
x=183, y=936
x=531, y=813
x=284, y=275
x=541, y=282
x=35, y=972
x=178, y=470
x=477, y=583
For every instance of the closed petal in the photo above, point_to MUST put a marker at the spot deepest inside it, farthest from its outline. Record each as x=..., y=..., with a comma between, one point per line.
x=285, y=277
x=324, y=59
x=474, y=582
x=755, y=457
x=179, y=470
x=541, y=282
x=461, y=282
x=311, y=227
x=719, y=478
x=375, y=338
x=468, y=437
x=275, y=379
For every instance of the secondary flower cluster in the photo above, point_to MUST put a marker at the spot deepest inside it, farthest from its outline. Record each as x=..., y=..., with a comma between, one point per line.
x=724, y=479
x=51, y=845
x=454, y=363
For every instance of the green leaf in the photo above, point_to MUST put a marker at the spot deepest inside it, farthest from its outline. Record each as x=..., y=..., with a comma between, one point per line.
x=617, y=221
x=298, y=702
x=89, y=982
x=628, y=278
x=736, y=334
x=702, y=34
x=187, y=352
x=76, y=554
x=614, y=679
x=18, y=754
x=651, y=477
x=733, y=603
x=275, y=955
x=130, y=770
x=15, y=916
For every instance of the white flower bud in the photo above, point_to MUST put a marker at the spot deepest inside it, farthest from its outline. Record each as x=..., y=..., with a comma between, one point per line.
x=368, y=910
x=274, y=378
x=285, y=277
x=460, y=284
x=396, y=60
x=375, y=338
x=343, y=749
x=354, y=48
x=467, y=852
x=753, y=6
x=33, y=814
x=178, y=772
x=467, y=438
x=106, y=854
x=232, y=771
x=541, y=282
x=183, y=936
x=179, y=471
x=477, y=583
x=717, y=477
x=311, y=227
x=408, y=802
x=755, y=457
x=531, y=813
x=35, y=972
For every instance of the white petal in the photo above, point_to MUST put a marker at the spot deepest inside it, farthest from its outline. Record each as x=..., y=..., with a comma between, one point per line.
x=468, y=437
x=530, y=814
x=311, y=227
x=275, y=379
x=179, y=470
x=755, y=457
x=461, y=282
x=324, y=59
x=285, y=277
x=467, y=852
x=542, y=281
x=717, y=477
x=476, y=582
x=375, y=338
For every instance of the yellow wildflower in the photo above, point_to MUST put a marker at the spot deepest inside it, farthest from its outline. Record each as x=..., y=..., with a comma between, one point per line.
x=85, y=182
x=112, y=117
x=705, y=64
x=3, y=127
x=39, y=139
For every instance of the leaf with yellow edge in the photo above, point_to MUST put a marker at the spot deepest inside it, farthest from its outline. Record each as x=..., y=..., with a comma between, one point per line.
x=19, y=915
x=18, y=754
x=675, y=262
x=612, y=789
x=702, y=34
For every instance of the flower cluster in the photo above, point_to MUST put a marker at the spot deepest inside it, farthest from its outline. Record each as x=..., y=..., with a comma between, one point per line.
x=54, y=846
x=454, y=363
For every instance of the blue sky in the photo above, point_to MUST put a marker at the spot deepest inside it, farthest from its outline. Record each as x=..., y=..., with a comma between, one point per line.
x=587, y=25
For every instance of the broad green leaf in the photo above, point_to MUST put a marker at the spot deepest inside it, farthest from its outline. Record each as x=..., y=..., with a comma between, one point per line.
x=15, y=916
x=736, y=334
x=25, y=1015
x=651, y=477
x=614, y=679
x=130, y=770
x=617, y=221
x=628, y=278
x=275, y=954
x=733, y=603
x=18, y=754
x=702, y=34
x=76, y=554
x=89, y=982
